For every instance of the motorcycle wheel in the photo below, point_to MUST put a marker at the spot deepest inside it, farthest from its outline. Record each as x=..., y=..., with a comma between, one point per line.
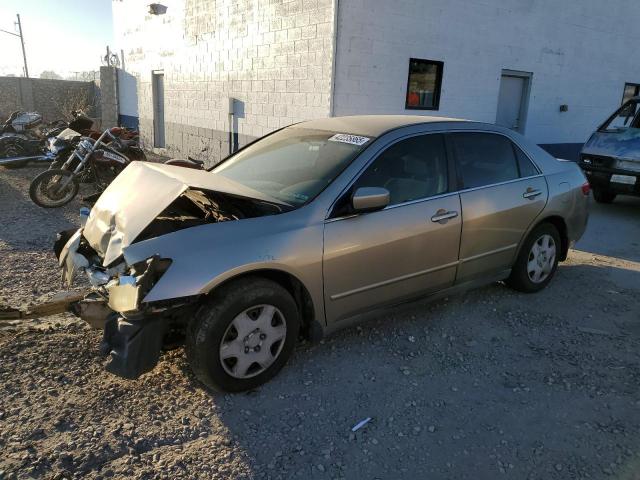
x=43, y=192
x=13, y=149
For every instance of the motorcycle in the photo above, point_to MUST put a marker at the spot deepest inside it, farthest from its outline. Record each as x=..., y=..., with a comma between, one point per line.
x=22, y=139
x=96, y=161
x=60, y=146
x=20, y=136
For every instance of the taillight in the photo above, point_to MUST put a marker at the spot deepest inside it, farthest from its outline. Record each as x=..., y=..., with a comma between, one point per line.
x=586, y=188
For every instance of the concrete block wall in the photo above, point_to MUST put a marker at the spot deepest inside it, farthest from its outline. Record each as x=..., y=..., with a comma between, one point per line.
x=109, y=96
x=274, y=56
x=53, y=99
x=9, y=96
x=579, y=52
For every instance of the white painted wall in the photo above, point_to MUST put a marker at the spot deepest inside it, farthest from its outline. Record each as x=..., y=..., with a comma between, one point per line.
x=581, y=52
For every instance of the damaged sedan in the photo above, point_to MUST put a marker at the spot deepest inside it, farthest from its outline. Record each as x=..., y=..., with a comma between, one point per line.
x=611, y=156
x=309, y=228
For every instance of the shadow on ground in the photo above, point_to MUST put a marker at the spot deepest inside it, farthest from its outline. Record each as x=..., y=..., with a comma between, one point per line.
x=614, y=229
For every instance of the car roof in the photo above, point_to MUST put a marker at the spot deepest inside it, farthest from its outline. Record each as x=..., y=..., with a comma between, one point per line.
x=373, y=125
x=378, y=125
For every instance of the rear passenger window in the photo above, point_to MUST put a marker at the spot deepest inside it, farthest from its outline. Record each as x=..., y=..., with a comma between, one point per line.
x=411, y=169
x=527, y=168
x=484, y=159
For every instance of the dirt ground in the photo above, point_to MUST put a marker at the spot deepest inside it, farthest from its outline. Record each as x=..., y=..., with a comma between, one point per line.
x=485, y=385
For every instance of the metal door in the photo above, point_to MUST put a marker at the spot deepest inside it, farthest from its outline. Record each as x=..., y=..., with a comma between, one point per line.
x=157, y=87
x=512, y=101
x=495, y=219
x=384, y=256
x=127, y=100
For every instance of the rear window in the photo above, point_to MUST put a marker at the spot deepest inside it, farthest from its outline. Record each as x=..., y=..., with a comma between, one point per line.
x=484, y=159
x=527, y=169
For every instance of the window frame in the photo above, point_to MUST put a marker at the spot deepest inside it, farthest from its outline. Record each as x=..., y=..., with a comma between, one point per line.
x=452, y=177
x=636, y=118
x=438, y=87
x=460, y=186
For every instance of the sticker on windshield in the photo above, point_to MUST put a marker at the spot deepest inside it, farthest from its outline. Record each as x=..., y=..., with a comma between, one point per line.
x=352, y=139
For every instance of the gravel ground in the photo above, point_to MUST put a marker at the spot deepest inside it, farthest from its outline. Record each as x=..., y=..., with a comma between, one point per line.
x=484, y=385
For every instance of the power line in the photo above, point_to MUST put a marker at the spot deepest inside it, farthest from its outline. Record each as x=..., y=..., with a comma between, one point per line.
x=21, y=36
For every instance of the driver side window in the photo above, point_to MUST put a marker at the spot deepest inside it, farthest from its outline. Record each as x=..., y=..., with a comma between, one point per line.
x=411, y=169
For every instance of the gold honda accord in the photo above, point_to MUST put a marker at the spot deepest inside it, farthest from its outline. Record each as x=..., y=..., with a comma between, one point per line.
x=308, y=228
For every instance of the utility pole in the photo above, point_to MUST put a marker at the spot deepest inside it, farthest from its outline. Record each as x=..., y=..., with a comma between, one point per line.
x=24, y=53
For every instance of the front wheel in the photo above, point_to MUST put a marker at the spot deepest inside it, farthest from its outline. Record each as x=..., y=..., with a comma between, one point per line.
x=603, y=196
x=243, y=335
x=53, y=188
x=537, y=261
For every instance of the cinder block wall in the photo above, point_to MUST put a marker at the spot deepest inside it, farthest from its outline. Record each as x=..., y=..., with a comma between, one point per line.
x=54, y=99
x=274, y=56
x=109, y=96
x=9, y=96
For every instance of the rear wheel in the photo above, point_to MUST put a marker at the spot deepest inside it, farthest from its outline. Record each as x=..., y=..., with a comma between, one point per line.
x=243, y=335
x=603, y=196
x=47, y=190
x=537, y=261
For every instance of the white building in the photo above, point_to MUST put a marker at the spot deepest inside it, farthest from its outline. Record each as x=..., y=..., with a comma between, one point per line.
x=552, y=69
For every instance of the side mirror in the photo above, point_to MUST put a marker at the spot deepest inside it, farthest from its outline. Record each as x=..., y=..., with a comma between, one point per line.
x=369, y=199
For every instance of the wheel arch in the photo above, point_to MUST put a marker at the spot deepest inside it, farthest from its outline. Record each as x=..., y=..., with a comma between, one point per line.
x=311, y=326
x=559, y=223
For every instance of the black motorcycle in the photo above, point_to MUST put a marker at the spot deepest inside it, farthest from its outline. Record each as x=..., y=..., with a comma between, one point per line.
x=96, y=162
x=23, y=139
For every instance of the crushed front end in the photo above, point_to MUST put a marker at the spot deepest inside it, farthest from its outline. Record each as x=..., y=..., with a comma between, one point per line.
x=140, y=296
x=134, y=331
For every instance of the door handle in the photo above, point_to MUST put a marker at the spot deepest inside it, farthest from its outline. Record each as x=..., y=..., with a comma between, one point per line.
x=442, y=216
x=531, y=193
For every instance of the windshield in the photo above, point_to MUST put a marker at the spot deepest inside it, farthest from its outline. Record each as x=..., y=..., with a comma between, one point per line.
x=295, y=164
x=627, y=116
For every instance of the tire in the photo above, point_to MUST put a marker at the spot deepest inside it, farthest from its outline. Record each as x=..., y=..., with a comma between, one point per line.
x=603, y=196
x=40, y=189
x=212, y=334
x=13, y=149
x=528, y=275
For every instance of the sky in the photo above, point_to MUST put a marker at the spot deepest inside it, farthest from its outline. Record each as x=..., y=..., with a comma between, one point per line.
x=60, y=35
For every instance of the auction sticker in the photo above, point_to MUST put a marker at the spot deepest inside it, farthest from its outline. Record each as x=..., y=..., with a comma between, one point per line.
x=352, y=139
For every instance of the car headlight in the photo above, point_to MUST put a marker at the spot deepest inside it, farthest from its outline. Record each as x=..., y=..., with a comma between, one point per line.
x=631, y=165
x=126, y=291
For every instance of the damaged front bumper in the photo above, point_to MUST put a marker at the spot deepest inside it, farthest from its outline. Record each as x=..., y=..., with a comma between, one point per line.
x=133, y=332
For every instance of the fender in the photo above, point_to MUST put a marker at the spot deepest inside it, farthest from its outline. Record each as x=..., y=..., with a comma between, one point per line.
x=241, y=247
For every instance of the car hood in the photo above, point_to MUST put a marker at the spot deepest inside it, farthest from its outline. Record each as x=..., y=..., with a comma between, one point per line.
x=139, y=194
x=624, y=144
